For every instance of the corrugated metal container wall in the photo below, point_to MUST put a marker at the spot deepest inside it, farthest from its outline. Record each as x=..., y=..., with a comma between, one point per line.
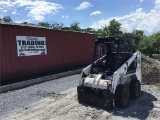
x=65, y=49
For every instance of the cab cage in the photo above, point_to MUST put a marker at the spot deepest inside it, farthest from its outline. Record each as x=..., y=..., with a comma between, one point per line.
x=116, y=50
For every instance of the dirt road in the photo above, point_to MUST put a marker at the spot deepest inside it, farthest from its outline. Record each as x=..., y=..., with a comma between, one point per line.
x=57, y=100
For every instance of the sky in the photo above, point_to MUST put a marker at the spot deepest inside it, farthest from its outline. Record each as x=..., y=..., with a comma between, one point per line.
x=132, y=14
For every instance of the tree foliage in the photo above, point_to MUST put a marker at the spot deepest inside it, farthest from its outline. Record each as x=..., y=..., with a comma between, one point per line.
x=57, y=26
x=100, y=33
x=113, y=28
x=25, y=23
x=66, y=28
x=87, y=30
x=75, y=26
x=150, y=44
x=155, y=38
x=6, y=19
x=137, y=36
x=44, y=24
x=145, y=45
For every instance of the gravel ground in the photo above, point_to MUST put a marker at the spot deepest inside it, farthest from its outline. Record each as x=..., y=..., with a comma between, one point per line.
x=57, y=100
x=19, y=100
x=157, y=61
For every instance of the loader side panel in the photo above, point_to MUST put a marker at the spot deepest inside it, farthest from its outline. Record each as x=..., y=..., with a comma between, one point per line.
x=122, y=71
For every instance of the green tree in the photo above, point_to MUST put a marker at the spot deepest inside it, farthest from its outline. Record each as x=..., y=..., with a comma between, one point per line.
x=25, y=23
x=0, y=19
x=105, y=31
x=66, y=28
x=137, y=36
x=145, y=45
x=100, y=33
x=88, y=30
x=113, y=28
x=128, y=35
x=57, y=26
x=75, y=26
x=155, y=39
x=150, y=44
x=7, y=19
x=44, y=24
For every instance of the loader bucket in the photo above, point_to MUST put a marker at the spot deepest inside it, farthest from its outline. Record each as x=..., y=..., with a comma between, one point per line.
x=87, y=95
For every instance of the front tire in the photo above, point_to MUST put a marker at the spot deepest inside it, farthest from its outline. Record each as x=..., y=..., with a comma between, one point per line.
x=122, y=95
x=135, y=89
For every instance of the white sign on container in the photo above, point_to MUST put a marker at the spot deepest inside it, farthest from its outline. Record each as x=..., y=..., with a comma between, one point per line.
x=29, y=45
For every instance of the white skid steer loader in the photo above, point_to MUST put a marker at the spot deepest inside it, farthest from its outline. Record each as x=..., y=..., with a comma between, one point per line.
x=114, y=75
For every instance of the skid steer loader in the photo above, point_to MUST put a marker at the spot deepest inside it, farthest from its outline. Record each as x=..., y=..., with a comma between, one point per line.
x=113, y=76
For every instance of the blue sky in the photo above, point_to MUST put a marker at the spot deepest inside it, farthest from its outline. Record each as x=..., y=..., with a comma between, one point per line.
x=133, y=14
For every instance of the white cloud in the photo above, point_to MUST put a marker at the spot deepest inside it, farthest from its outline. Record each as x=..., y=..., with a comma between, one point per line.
x=5, y=11
x=65, y=16
x=4, y=3
x=139, y=10
x=83, y=5
x=96, y=13
x=149, y=22
x=37, y=10
x=157, y=7
x=14, y=13
x=141, y=1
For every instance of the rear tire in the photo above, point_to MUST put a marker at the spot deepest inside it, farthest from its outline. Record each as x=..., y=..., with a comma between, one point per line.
x=122, y=96
x=135, y=89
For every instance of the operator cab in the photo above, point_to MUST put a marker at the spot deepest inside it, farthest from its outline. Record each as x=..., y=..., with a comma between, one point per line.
x=110, y=53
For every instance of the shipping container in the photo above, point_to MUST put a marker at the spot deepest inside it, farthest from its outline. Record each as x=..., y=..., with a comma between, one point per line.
x=64, y=49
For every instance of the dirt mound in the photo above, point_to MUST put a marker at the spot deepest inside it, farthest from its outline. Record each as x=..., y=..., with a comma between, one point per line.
x=150, y=71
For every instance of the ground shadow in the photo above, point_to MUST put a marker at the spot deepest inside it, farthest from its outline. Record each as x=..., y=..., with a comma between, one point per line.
x=137, y=108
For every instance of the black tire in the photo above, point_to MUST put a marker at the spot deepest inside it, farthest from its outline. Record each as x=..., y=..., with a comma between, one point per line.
x=135, y=89
x=122, y=96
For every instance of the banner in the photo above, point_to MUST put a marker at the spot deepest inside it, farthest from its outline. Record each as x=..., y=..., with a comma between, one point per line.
x=29, y=45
